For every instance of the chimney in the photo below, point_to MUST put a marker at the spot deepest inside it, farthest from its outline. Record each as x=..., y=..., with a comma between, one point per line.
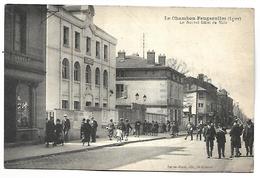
x=201, y=77
x=121, y=54
x=162, y=59
x=151, y=57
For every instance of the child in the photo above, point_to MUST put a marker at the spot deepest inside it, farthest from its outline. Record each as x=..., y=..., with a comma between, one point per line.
x=119, y=135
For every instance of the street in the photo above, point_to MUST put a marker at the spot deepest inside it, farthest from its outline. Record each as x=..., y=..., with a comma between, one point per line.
x=171, y=154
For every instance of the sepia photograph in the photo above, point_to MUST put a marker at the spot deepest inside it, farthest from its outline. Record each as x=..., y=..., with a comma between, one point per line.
x=129, y=88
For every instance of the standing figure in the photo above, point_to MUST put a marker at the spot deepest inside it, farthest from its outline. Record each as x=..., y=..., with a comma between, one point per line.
x=94, y=126
x=137, y=128
x=66, y=127
x=164, y=128
x=50, y=131
x=85, y=131
x=156, y=128
x=209, y=134
x=189, y=128
x=168, y=124
x=58, y=133
x=248, y=137
x=145, y=127
x=110, y=128
x=235, y=134
x=221, y=140
x=199, y=130
x=120, y=129
x=128, y=129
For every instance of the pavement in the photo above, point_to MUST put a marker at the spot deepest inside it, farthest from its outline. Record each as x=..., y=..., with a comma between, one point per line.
x=13, y=154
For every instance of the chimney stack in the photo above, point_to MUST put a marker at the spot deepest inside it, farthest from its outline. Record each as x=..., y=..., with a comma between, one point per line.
x=121, y=54
x=162, y=59
x=201, y=77
x=151, y=57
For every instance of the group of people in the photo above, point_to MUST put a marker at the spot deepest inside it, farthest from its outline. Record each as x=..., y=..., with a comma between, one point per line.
x=88, y=130
x=210, y=132
x=57, y=133
x=151, y=128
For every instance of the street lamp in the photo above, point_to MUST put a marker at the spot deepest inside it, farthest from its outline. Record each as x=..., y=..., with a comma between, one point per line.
x=144, y=97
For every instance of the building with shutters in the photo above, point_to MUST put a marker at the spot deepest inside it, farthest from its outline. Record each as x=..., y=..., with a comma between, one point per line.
x=154, y=85
x=81, y=67
x=24, y=73
x=200, y=100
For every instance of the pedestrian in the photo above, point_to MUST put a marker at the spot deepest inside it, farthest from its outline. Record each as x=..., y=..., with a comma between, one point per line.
x=174, y=129
x=164, y=127
x=137, y=128
x=209, y=134
x=110, y=128
x=221, y=140
x=156, y=128
x=58, y=133
x=85, y=131
x=145, y=127
x=49, y=131
x=66, y=127
x=248, y=137
x=128, y=129
x=189, y=129
x=94, y=126
x=168, y=126
x=120, y=129
x=152, y=129
x=235, y=134
x=199, y=130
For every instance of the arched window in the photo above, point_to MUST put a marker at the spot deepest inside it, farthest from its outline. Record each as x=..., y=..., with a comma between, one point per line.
x=88, y=74
x=97, y=76
x=105, y=79
x=65, y=68
x=76, y=71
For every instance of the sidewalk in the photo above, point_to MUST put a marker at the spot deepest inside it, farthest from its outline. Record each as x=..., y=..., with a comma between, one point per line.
x=34, y=151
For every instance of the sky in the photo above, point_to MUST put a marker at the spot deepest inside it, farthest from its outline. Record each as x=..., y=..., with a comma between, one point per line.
x=223, y=52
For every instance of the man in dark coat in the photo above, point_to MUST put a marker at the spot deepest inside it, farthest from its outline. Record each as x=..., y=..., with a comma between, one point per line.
x=137, y=128
x=121, y=126
x=50, y=131
x=235, y=134
x=145, y=127
x=94, y=126
x=248, y=137
x=209, y=134
x=156, y=128
x=199, y=130
x=110, y=128
x=58, y=133
x=85, y=131
x=221, y=140
x=66, y=127
x=128, y=129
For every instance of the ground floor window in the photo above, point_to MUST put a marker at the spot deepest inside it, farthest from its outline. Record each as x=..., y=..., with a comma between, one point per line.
x=76, y=105
x=65, y=104
x=88, y=103
x=23, y=106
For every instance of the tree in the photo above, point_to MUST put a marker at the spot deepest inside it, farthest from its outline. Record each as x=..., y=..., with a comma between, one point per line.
x=178, y=65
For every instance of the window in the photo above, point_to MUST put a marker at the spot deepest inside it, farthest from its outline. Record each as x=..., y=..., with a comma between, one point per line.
x=76, y=71
x=77, y=40
x=88, y=74
x=65, y=68
x=76, y=105
x=105, y=52
x=88, y=103
x=88, y=46
x=98, y=49
x=104, y=105
x=201, y=95
x=105, y=79
x=119, y=90
x=20, y=31
x=65, y=104
x=66, y=36
x=96, y=104
x=23, y=106
x=200, y=105
x=97, y=76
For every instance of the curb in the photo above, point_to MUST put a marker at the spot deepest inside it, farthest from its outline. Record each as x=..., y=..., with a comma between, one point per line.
x=82, y=149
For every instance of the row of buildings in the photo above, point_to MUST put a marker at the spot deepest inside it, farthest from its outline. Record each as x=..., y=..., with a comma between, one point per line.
x=57, y=61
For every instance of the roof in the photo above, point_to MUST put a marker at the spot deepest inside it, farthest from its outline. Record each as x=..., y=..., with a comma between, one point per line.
x=198, y=82
x=137, y=62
